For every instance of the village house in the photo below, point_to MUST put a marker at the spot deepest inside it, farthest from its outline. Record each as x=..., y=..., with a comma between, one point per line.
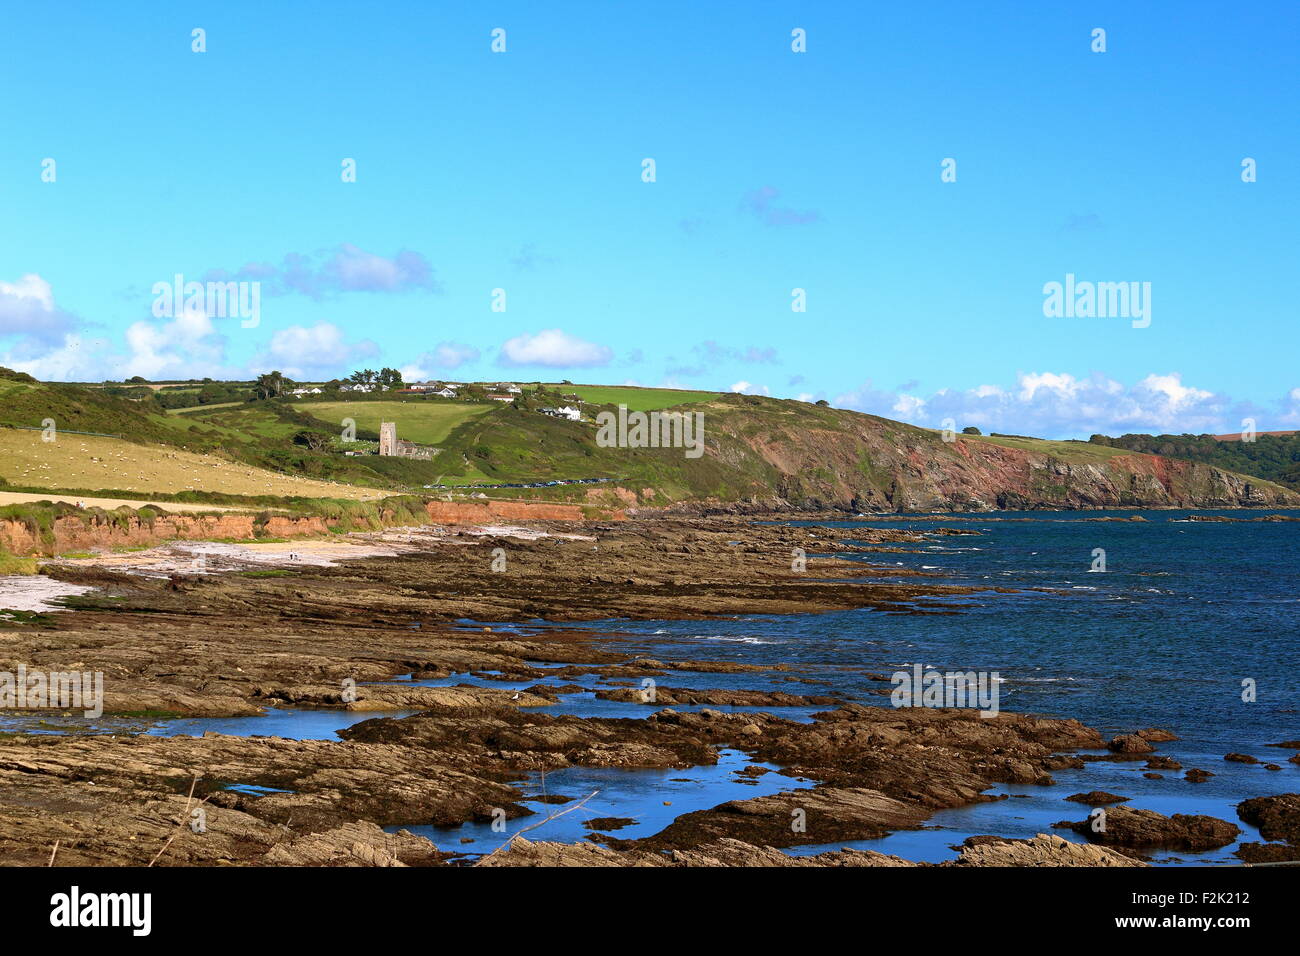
x=566, y=411
x=428, y=390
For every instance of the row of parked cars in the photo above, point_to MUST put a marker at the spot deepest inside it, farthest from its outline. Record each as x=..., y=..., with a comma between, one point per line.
x=534, y=484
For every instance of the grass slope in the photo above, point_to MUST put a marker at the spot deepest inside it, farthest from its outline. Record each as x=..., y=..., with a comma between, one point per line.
x=91, y=463
x=636, y=398
x=425, y=421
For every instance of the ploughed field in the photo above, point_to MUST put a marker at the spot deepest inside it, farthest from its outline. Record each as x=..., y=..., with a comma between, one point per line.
x=385, y=647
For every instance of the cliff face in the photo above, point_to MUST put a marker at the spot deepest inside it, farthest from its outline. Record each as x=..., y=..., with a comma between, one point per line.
x=74, y=533
x=88, y=532
x=802, y=456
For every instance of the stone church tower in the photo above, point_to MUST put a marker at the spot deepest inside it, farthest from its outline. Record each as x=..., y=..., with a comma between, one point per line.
x=388, y=438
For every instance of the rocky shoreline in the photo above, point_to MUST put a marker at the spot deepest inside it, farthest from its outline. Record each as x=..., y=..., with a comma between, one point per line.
x=360, y=636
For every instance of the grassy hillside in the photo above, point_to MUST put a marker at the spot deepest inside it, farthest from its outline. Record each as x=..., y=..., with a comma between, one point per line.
x=84, y=462
x=425, y=421
x=1077, y=452
x=260, y=435
x=757, y=450
x=635, y=397
x=1275, y=457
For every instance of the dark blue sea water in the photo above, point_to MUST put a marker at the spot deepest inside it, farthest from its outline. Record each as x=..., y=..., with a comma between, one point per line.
x=1183, y=614
x=1165, y=636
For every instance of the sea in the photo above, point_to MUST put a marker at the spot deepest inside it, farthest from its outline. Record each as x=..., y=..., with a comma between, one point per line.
x=1192, y=626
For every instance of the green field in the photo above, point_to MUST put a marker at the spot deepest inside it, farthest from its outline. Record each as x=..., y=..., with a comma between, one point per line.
x=201, y=408
x=637, y=399
x=1074, y=452
x=426, y=421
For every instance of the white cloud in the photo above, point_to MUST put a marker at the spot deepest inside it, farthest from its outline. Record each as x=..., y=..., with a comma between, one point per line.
x=1057, y=404
x=553, y=348
x=187, y=345
x=445, y=356
x=318, y=351
x=748, y=388
x=27, y=310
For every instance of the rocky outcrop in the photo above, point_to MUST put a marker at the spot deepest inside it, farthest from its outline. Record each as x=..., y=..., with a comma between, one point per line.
x=668, y=696
x=1277, y=817
x=1145, y=829
x=1043, y=850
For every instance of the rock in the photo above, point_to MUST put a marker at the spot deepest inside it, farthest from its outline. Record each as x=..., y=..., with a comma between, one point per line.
x=726, y=852
x=1043, y=850
x=819, y=815
x=1097, y=798
x=608, y=823
x=1130, y=744
x=668, y=696
x=1163, y=763
x=354, y=844
x=1197, y=776
x=1240, y=758
x=1130, y=827
x=1156, y=735
x=1267, y=853
x=1277, y=817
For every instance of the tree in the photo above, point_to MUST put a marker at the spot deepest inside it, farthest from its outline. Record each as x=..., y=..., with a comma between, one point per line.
x=270, y=385
x=390, y=378
x=971, y=430
x=313, y=440
x=823, y=403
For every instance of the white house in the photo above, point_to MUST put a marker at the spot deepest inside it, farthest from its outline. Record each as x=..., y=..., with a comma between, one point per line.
x=568, y=411
x=306, y=391
x=445, y=392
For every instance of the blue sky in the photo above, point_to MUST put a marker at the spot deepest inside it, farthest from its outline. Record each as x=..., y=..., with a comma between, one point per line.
x=775, y=170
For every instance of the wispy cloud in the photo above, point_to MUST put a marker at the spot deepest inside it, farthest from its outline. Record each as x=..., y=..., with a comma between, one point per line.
x=761, y=203
x=528, y=258
x=444, y=356
x=345, y=268
x=711, y=354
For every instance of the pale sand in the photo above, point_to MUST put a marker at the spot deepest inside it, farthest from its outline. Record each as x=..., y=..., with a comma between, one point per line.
x=214, y=557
